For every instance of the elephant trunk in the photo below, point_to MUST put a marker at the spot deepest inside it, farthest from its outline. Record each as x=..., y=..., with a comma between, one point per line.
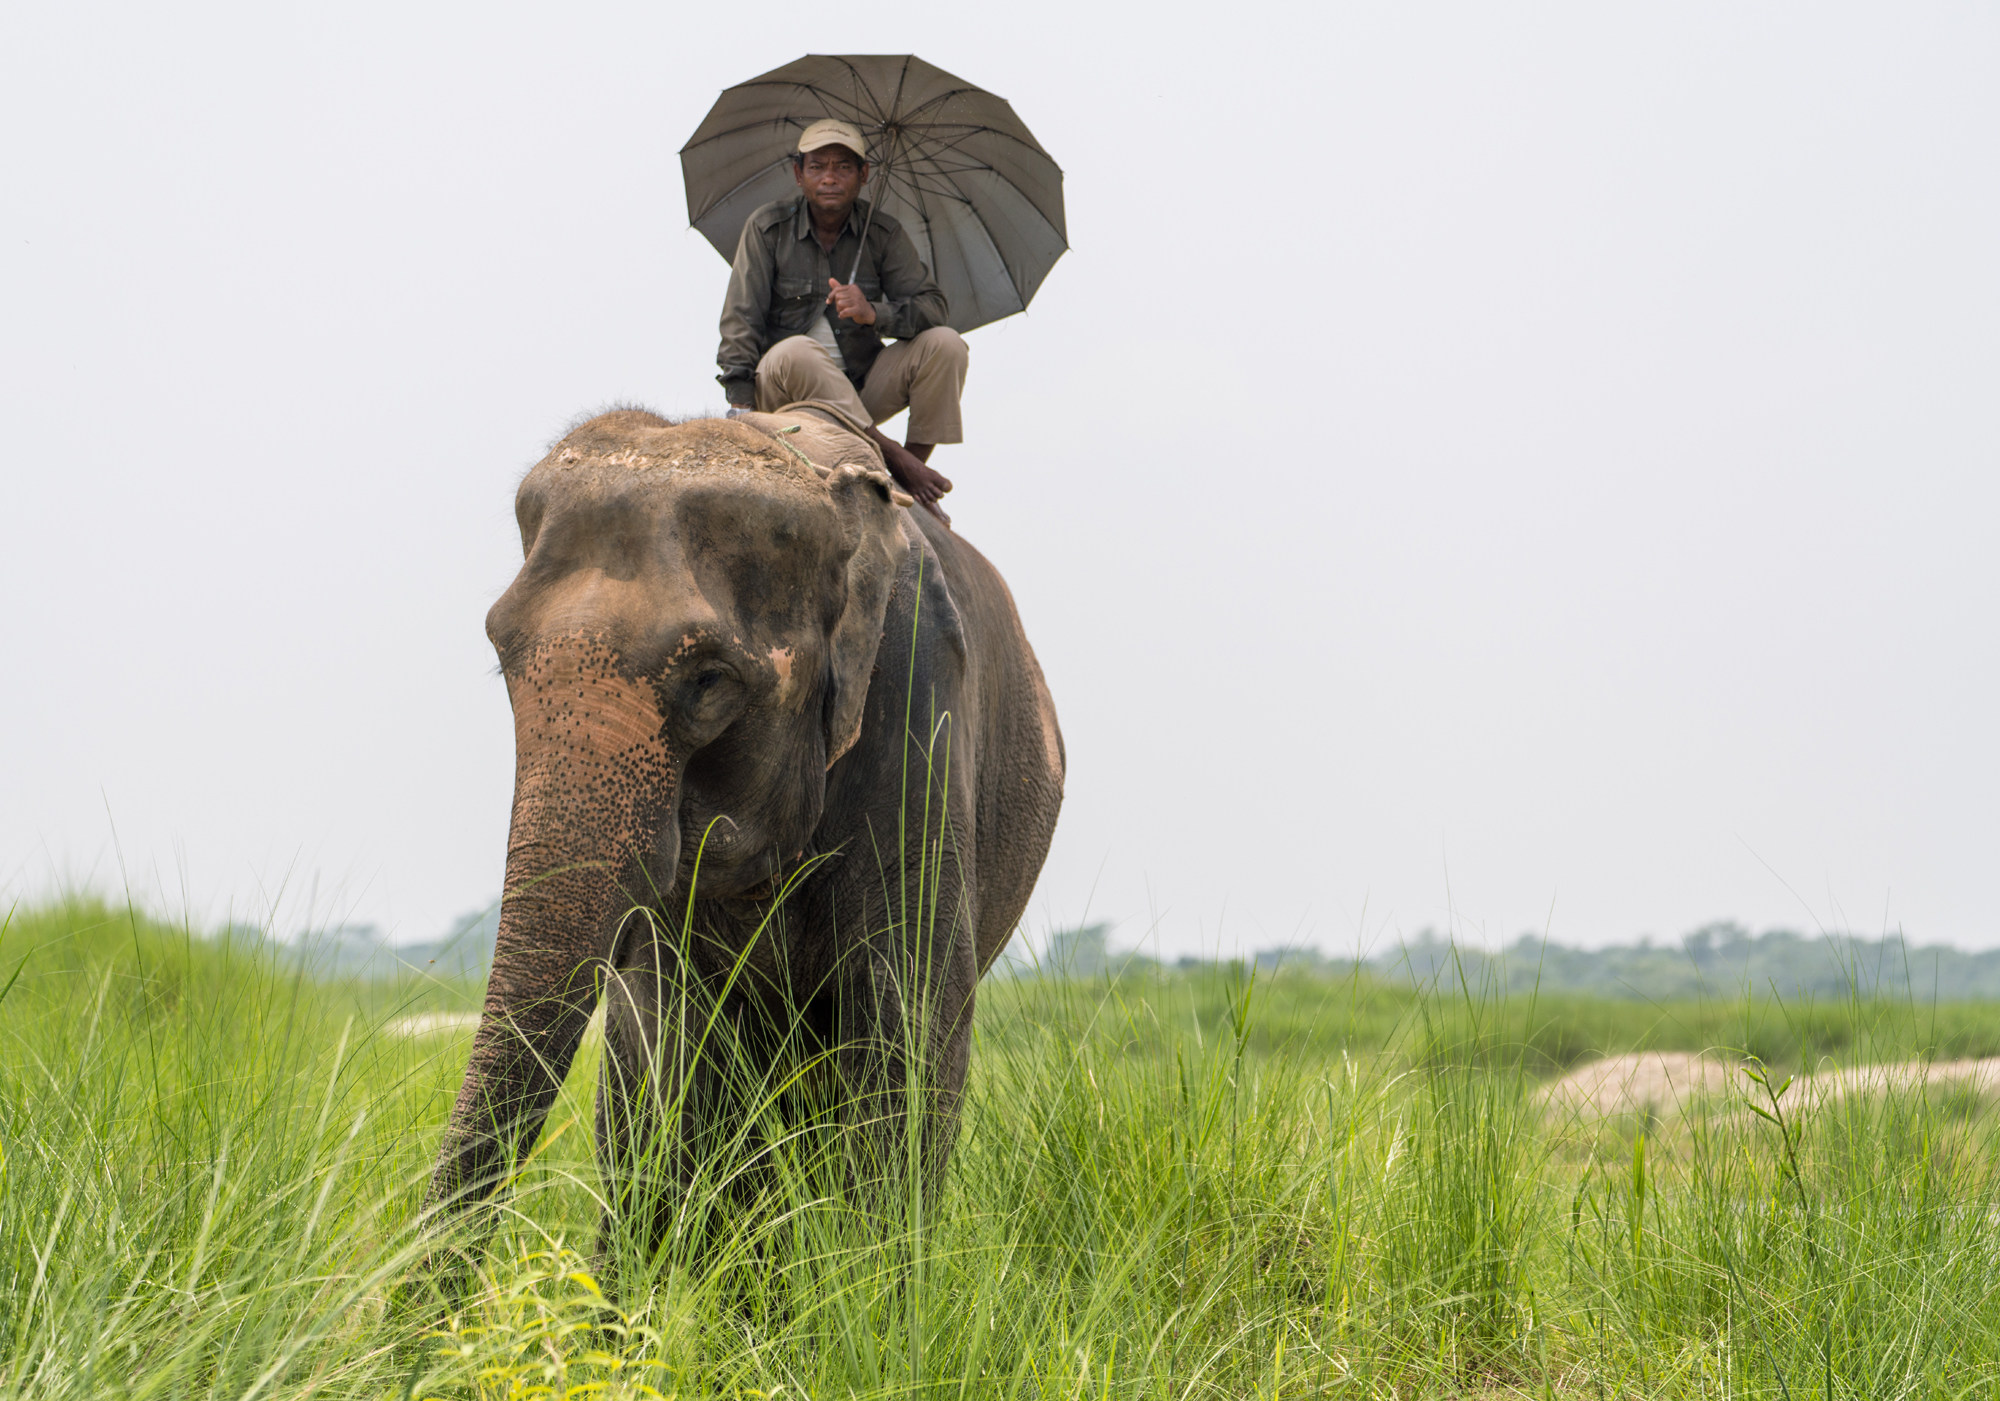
x=595, y=786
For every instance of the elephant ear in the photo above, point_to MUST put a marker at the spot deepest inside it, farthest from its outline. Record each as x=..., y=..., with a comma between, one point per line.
x=867, y=500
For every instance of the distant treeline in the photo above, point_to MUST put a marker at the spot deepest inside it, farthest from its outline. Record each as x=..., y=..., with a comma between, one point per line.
x=359, y=951
x=1717, y=960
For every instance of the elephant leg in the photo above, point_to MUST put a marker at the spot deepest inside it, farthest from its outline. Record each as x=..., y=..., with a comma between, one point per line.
x=906, y=1042
x=630, y=1124
x=670, y=1114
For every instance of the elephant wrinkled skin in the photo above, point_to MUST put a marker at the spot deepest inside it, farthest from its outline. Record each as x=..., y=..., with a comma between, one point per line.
x=719, y=655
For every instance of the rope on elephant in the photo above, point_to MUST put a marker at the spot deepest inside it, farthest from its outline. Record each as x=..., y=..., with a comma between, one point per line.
x=784, y=433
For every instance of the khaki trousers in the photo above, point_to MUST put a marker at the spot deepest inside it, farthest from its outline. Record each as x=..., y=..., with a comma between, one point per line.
x=925, y=374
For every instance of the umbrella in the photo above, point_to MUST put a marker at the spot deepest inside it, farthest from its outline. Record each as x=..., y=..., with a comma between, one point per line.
x=976, y=193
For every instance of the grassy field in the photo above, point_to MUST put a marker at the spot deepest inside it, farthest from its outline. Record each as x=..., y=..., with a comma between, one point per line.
x=1172, y=1185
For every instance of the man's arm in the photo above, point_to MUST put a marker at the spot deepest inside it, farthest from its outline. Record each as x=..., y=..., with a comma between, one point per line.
x=744, y=309
x=911, y=299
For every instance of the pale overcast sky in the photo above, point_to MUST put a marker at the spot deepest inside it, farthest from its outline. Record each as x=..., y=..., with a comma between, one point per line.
x=1496, y=467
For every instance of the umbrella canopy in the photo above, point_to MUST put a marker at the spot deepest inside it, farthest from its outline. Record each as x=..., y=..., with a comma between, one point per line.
x=971, y=186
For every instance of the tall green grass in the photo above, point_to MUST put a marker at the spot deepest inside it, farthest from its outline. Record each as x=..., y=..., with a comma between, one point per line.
x=1175, y=1185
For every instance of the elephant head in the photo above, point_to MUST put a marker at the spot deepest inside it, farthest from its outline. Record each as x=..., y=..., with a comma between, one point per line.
x=687, y=649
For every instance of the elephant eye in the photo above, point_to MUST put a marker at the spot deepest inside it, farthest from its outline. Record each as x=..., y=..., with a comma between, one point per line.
x=711, y=680
x=708, y=697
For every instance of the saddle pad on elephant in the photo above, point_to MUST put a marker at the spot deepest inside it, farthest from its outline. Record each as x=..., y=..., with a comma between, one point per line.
x=821, y=433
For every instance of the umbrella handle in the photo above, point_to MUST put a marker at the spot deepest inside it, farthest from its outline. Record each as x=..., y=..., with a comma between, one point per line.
x=861, y=252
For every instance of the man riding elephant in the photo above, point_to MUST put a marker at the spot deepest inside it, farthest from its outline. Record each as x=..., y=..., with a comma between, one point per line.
x=817, y=282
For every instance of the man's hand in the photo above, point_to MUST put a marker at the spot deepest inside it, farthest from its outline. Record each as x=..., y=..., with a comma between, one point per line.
x=848, y=302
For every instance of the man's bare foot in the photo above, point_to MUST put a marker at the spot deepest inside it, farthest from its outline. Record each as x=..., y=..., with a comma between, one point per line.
x=918, y=477
x=913, y=474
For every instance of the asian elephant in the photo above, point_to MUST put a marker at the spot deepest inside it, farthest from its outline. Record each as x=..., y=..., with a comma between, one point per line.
x=738, y=663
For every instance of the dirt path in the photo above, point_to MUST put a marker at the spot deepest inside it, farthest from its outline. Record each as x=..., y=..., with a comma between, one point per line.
x=1666, y=1082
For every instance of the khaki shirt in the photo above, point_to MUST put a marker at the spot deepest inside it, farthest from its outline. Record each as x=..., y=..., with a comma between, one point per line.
x=778, y=284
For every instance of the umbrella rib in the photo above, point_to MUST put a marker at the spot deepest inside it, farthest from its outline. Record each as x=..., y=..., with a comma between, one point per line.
x=935, y=147
x=1010, y=183
x=838, y=106
x=921, y=180
x=935, y=151
x=862, y=83
x=921, y=204
x=1006, y=271
x=942, y=97
x=1009, y=136
x=956, y=141
x=896, y=102
x=959, y=196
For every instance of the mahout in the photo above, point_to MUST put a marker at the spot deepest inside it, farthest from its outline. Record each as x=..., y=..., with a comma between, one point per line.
x=786, y=770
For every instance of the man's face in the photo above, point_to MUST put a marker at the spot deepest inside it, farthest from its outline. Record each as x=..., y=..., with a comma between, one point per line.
x=832, y=178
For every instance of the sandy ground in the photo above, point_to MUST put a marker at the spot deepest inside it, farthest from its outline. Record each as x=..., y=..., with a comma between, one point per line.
x=426, y=1023
x=1666, y=1082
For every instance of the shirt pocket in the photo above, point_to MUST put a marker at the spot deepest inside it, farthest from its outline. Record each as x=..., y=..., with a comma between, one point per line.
x=794, y=300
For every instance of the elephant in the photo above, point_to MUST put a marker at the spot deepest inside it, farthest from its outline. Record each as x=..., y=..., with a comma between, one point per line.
x=746, y=679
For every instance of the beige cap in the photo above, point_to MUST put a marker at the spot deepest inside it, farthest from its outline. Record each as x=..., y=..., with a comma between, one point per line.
x=829, y=131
